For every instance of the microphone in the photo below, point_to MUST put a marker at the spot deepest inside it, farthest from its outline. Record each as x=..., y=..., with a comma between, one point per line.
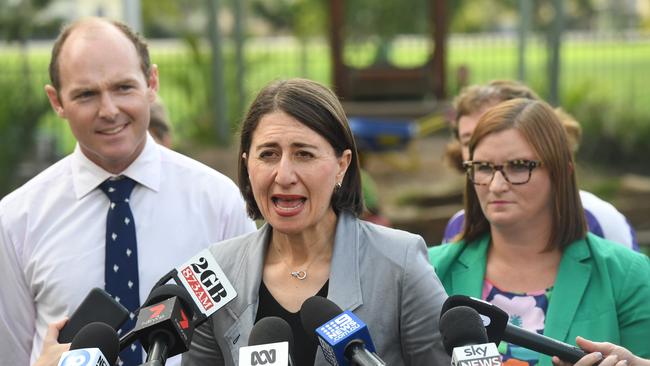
x=496, y=324
x=466, y=340
x=344, y=338
x=206, y=288
x=205, y=283
x=97, y=306
x=164, y=325
x=96, y=344
x=270, y=341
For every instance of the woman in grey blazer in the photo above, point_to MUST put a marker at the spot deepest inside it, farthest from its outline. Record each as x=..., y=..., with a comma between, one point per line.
x=299, y=172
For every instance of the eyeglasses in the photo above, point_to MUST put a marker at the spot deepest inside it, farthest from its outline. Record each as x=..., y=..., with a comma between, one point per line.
x=514, y=171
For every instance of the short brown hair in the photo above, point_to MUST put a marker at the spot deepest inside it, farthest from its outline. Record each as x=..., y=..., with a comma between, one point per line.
x=139, y=43
x=541, y=127
x=476, y=97
x=318, y=108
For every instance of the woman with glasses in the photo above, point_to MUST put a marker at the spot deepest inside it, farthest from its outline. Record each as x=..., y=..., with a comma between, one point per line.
x=603, y=219
x=525, y=246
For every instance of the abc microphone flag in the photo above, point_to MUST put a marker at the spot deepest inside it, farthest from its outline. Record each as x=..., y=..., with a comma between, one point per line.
x=270, y=342
x=264, y=354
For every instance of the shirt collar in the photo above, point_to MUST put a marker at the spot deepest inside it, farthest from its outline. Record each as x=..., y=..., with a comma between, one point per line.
x=146, y=169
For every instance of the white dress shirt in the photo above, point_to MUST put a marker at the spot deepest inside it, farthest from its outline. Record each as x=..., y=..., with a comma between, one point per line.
x=52, y=235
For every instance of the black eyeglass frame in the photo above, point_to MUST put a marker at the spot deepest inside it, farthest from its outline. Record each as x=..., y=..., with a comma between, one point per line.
x=470, y=164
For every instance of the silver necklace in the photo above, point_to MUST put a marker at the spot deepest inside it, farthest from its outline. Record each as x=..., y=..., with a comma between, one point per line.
x=302, y=273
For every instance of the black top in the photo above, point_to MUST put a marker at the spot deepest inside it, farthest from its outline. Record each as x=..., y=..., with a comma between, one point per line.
x=304, y=348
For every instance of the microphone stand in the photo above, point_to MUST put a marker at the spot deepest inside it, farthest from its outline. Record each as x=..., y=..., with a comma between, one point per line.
x=157, y=355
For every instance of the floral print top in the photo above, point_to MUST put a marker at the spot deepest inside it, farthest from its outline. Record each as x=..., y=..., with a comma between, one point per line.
x=526, y=310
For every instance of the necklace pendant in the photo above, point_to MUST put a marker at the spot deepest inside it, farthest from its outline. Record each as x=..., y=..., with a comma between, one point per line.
x=301, y=275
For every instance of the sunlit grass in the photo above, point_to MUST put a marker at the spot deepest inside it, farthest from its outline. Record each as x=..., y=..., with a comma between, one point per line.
x=615, y=69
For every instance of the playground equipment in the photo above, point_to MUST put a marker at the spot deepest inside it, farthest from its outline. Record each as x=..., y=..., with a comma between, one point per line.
x=391, y=106
x=393, y=139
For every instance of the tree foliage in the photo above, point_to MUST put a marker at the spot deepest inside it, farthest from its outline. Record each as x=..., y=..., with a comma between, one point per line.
x=386, y=18
x=22, y=104
x=303, y=18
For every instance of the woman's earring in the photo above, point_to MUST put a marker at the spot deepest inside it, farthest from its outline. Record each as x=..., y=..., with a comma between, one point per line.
x=337, y=186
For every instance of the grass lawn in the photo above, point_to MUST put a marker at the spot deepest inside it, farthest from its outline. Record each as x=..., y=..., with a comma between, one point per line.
x=611, y=70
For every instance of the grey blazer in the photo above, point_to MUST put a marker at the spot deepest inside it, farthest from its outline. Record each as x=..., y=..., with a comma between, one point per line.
x=380, y=274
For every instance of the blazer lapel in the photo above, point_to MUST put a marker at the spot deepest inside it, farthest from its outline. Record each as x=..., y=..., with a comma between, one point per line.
x=467, y=278
x=345, y=282
x=570, y=284
x=248, y=273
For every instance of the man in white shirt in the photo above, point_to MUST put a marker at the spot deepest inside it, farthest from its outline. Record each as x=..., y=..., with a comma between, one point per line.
x=53, y=228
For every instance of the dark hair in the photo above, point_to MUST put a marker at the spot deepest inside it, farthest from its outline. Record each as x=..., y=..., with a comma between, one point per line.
x=542, y=128
x=139, y=43
x=318, y=108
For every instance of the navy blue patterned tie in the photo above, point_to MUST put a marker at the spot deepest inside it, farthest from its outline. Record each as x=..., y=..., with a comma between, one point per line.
x=121, y=267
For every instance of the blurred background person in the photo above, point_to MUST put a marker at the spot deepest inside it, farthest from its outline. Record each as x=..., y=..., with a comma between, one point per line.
x=603, y=219
x=372, y=209
x=525, y=247
x=299, y=171
x=160, y=126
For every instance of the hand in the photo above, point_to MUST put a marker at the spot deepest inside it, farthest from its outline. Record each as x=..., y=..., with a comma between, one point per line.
x=607, y=353
x=52, y=349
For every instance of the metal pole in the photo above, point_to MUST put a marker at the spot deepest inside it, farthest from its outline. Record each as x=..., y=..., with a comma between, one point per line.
x=240, y=38
x=554, y=45
x=218, y=96
x=439, y=16
x=133, y=14
x=525, y=10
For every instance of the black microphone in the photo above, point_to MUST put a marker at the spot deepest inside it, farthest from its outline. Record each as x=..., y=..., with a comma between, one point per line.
x=466, y=340
x=164, y=325
x=270, y=341
x=498, y=329
x=461, y=326
x=96, y=344
x=344, y=338
x=97, y=306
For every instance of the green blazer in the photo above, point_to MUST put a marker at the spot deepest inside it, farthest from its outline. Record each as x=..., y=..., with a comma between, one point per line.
x=602, y=290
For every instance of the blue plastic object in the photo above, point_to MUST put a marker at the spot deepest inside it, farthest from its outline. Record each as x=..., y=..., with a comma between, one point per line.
x=377, y=135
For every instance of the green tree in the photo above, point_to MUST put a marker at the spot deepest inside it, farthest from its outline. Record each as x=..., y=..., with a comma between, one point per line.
x=22, y=101
x=302, y=18
x=382, y=21
x=187, y=21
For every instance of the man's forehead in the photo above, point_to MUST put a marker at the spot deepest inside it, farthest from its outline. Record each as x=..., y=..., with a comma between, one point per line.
x=92, y=33
x=87, y=50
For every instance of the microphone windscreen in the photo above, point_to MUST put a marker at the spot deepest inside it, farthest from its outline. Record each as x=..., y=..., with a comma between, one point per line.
x=167, y=291
x=271, y=330
x=495, y=319
x=316, y=311
x=98, y=335
x=462, y=326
